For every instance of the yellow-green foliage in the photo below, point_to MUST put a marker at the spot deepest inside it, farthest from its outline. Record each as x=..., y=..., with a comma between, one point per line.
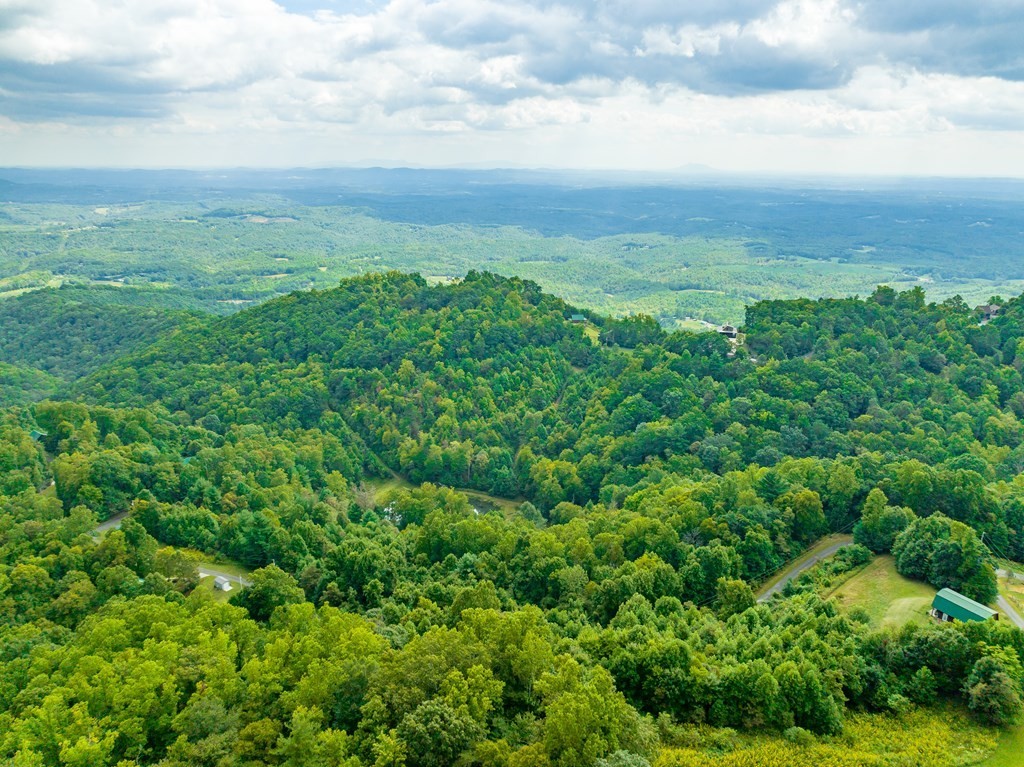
x=935, y=739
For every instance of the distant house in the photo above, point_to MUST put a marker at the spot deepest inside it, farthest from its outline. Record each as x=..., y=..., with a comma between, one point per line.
x=578, y=318
x=950, y=605
x=728, y=331
x=36, y=434
x=221, y=583
x=988, y=311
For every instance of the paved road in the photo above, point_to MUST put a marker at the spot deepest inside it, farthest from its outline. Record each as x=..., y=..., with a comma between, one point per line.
x=796, y=569
x=1004, y=605
x=1010, y=613
x=1017, y=576
x=111, y=524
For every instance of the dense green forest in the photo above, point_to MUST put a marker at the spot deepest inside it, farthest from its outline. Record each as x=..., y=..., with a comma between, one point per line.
x=70, y=332
x=600, y=612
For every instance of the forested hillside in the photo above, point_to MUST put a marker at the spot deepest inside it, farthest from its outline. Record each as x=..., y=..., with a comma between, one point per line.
x=656, y=480
x=68, y=332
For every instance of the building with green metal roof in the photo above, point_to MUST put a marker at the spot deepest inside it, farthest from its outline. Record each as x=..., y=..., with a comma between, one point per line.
x=951, y=605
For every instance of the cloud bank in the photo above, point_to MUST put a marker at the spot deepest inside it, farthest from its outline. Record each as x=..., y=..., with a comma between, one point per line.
x=498, y=80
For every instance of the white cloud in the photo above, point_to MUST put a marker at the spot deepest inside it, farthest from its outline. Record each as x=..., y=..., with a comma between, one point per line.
x=406, y=75
x=804, y=24
x=688, y=40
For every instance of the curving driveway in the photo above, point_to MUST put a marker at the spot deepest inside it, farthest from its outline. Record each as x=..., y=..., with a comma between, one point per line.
x=799, y=567
x=204, y=570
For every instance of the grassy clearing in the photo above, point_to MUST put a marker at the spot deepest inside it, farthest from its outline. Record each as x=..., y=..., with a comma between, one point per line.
x=693, y=326
x=381, y=487
x=206, y=585
x=1014, y=568
x=797, y=564
x=225, y=566
x=1010, y=750
x=482, y=501
x=485, y=502
x=886, y=596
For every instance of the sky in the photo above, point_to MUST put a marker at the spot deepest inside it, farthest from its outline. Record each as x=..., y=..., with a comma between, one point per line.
x=832, y=87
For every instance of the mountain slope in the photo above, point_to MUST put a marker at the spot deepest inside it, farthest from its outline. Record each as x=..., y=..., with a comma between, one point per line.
x=71, y=332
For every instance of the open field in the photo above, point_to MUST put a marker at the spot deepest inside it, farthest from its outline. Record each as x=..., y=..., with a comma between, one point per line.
x=484, y=502
x=1010, y=581
x=887, y=597
x=218, y=566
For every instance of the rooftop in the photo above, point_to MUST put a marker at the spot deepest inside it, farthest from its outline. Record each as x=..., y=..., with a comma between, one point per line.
x=956, y=605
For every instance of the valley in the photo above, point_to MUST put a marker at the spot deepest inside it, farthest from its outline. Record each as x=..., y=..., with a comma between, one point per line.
x=468, y=520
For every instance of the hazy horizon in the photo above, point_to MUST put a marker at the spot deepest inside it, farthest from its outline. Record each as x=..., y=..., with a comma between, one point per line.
x=696, y=174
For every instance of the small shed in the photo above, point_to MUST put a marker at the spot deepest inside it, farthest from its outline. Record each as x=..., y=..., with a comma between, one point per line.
x=950, y=605
x=36, y=434
x=578, y=319
x=221, y=583
x=728, y=331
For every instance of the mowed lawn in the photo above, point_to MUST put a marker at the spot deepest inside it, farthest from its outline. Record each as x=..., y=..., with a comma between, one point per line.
x=886, y=596
x=1010, y=751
